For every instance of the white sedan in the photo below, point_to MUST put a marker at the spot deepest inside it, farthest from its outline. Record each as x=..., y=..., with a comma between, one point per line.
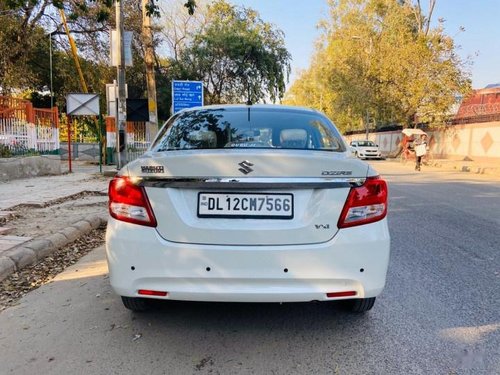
x=366, y=150
x=248, y=204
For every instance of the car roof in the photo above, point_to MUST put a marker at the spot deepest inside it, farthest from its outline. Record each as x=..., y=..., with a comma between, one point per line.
x=267, y=107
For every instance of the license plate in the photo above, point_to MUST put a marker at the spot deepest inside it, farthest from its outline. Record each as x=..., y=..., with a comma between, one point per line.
x=245, y=205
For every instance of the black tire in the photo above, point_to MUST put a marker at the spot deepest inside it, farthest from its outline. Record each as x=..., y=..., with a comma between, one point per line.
x=360, y=305
x=136, y=304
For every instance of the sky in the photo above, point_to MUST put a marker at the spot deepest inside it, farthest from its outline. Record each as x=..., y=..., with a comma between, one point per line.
x=480, y=41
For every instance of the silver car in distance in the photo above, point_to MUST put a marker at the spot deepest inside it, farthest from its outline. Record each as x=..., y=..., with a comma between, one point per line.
x=248, y=203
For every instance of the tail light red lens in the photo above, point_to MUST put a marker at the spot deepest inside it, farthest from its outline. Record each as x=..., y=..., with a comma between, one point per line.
x=129, y=202
x=365, y=204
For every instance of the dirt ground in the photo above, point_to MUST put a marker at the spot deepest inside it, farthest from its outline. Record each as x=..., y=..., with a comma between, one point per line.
x=19, y=283
x=41, y=220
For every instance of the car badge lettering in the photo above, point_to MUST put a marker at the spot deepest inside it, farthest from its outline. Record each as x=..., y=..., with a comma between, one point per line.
x=322, y=226
x=245, y=167
x=336, y=173
x=152, y=169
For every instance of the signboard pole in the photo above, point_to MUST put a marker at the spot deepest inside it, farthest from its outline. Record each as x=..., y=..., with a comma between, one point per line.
x=117, y=129
x=69, y=120
x=79, y=104
x=99, y=124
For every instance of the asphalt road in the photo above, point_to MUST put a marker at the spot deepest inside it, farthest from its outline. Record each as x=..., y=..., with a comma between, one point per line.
x=439, y=314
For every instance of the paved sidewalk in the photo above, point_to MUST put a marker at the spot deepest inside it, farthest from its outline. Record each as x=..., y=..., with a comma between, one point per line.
x=39, y=190
x=17, y=252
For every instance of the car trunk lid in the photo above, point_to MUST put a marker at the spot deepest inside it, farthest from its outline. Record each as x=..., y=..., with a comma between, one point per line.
x=194, y=195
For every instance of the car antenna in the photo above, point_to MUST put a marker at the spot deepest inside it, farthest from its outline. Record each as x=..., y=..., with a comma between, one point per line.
x=249, y=102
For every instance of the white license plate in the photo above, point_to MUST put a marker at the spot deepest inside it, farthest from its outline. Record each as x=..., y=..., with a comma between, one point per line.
x=246, y=205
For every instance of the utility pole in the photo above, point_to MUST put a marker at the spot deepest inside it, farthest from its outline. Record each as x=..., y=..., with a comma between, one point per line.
x=121, y=113
x=147, y=37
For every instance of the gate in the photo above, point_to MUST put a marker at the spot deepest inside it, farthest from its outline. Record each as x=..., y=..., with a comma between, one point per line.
x=137, y=140
x=25, y=130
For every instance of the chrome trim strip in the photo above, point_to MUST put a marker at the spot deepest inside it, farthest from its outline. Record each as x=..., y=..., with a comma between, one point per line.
x=247, y=183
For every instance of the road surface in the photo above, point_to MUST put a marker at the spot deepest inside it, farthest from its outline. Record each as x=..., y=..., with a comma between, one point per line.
x=439, y=314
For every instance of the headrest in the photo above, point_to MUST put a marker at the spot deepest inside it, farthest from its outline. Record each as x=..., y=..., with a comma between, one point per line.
x=208, y=138
x=293, y=135
x=293, y=138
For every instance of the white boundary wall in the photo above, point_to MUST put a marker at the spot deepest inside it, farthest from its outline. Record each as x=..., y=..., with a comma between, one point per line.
x=477, y=141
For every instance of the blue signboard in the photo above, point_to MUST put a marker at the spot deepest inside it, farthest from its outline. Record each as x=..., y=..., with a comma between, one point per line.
x=186, y=94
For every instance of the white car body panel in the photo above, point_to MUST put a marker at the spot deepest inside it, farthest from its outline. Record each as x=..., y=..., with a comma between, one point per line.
x=224, y=163
x=177, y=207
x=248, y=273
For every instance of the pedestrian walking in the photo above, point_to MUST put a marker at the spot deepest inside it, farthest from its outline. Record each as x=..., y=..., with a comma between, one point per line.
x=420, y=150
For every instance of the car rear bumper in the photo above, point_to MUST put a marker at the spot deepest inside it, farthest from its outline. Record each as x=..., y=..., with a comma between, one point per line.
x=356, y=259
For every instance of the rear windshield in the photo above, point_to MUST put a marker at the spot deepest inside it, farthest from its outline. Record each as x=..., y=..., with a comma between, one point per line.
x=248, y=128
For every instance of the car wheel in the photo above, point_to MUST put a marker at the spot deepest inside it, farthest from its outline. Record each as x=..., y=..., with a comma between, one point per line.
x=136, y=304
x=360, y=305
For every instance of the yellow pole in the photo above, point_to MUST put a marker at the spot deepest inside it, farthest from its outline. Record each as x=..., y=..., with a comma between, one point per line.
x=74, y=52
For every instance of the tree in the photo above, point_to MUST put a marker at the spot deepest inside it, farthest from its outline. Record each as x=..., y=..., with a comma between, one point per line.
x=178, y=28
x=380, y=58
x=238, y=56
x=22, y=20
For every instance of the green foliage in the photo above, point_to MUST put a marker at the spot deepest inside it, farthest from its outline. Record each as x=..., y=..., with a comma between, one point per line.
x=238, y=56
x=375, y=58
x=17, y=53
x=5, y=151
x=231, y=49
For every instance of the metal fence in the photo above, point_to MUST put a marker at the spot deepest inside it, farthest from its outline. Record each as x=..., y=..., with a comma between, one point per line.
x=138, y=139
x=25, y=130
x=475, y=119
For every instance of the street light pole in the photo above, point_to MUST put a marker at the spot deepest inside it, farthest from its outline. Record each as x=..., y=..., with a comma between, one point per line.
x=121, y=114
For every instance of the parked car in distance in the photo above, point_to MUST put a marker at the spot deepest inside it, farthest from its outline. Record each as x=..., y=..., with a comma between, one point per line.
x=248, y=203
x=364, y=149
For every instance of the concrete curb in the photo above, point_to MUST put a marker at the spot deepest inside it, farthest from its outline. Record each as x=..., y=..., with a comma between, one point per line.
x=110, y=173
x=31, y=252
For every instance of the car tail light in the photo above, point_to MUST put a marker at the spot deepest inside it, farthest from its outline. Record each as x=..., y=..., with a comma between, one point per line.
x=129, y=202
x=365, y=204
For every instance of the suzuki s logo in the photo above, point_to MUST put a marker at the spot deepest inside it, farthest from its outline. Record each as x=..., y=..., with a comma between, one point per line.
x=245, y=167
